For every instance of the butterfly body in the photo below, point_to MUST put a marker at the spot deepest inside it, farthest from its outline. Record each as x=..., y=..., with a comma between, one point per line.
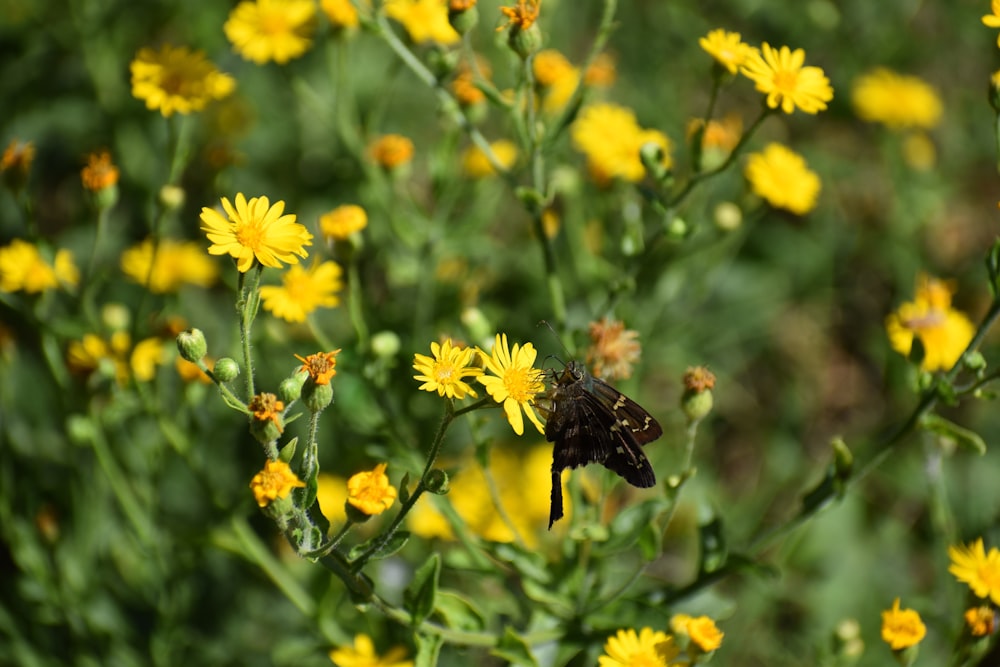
x=589, y=421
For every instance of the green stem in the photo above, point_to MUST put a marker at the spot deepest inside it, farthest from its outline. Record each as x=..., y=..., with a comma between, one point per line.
x=119, y=484
x=247, y=308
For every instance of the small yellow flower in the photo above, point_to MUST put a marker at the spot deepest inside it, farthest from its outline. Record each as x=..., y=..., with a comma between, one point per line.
x=972, y=565
x=895, y=100
x=321, y=366
x=424, y=20
x=93, y=352
x=611, y=138
x=943, y=332
x=302, y=291
x=189, y=372
x=779, y=74
x=171, y=264
x=266, y=407
x=992, y=20
x=266, y=30
x=177, y=80
x=476, y=164
x=727, y=48
x=781, y=176
x=341, y=13
x=722, y=135
x=613, y=349
x=981, y=621
x=331, y=494
x=275, y=481
x=22, y=268
x=515, y=382
x=645, y=649
x=602, y=72
x=100, y=173
x=701, y=630
x=549, y=66
x=522, y=15
x=146, y=356
x=391, y=150
x=902, y=628
x=343, y=221
x=362, y=654
x=257, y=231
x=446, y=372
x=370, y=492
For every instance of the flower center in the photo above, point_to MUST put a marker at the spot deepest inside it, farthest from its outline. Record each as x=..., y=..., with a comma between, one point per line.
x=273, y=23
x=250, y=236
x=786, y=81
x=521, y=383
x=443, y=371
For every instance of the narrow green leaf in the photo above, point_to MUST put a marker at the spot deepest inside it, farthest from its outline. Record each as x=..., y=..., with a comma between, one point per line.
x=514, y=650
x=395, y=543
x=529, y=564
x=404, y=489
x=428, y=648
x=420, y=595
x=962, y=436
x=458, y=612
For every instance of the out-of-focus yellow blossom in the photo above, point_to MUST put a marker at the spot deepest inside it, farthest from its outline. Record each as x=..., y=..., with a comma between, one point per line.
x=610, y=136
x=895, y=100
x=944, y=332
x=727, y=48
x=100, y=173
x=302, y=291
x=779, y=74
x=476, y=164
x=423, y=20
x=23, y=268
x=177, y=80
x=902, y=628
x=391, y=151
x=341, y=13
x=343, y=221
x=363, y=654
x=140, y=362
x=170, y=265
x=266, y=30
x=781, y=176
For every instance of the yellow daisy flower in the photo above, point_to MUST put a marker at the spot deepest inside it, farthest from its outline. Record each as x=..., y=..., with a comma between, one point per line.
x=343, y=221
x=257, y=231
x=275, y=481
x=363, y=654
x=902, y=628
x=895, y=100
x=972, y=565
x=610, y=136
x=117, y=354
x=645, y=649
x=341, y=13
x=476, y=165
x=321, y=366
x=779, y=74
x=177, y=80
x=727, y=48
x=943, y=331
x=370, y=492
x=701, y=630
x=266, y=30
x=781, y=176
x=22, y=268
x=445, y=373
x=170, y=265
x=514, y=382
x=424, y=20
x=302, y=291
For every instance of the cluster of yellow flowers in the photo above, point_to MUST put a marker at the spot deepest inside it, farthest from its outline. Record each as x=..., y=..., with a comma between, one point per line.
x=696, y=637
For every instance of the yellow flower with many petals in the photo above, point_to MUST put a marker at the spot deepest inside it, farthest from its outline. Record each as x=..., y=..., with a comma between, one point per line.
x=370, y=491
x=342, y=13
x=728, y=49
x=424, y=20
x=321, y=366
x=343, y=221
x=943, y=332
x=266, y=30
x=117, y=354
x=257, y=231
x=972, y=565
x=477, y=165
x=610, y=136
x=275, y=481
x=902, y=628
x=781, y=176
x=645, y=649
x=169, y=265
x=895, y=100
x=363, y=654
x=515, y=382
x=779, y=74
x=23, y=268
x=302, y=291
x=177, y=80
x=445, y=373
x=700, y=630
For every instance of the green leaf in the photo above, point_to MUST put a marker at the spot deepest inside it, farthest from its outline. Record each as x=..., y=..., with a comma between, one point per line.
x=428, y=648
x=712, y=538
x=288, y=451
x=529, y=564
x=395, y=543
x=629, y=524
x=514, y=650
x=964, y=437
x=458, y=612
x=419, y=596
x=552, y=600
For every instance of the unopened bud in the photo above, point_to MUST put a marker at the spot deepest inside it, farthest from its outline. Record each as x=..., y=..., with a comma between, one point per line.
x=317, y=396
x=438, y=482
x=226, y=370
x=192, y=346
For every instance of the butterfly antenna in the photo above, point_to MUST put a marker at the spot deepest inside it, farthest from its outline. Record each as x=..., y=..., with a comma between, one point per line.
x=558, y=339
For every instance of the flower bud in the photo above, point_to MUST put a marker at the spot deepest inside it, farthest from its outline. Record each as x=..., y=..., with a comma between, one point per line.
x=172, y=197
x=226, y=370
x=192, y=346
x=385, y=344
x=463, y=15
x=696, y=402
x=317, y=396
x=438, y=482
x=525, y=41
x=728, y=216
x=290, y=388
